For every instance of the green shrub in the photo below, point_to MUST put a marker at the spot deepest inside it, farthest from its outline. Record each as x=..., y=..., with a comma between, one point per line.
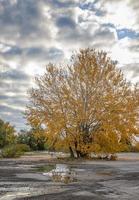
x=46, y=146
x=23, y=147
x=12, y=151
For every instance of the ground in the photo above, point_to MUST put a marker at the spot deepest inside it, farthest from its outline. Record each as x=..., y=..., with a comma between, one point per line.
x=96, y=180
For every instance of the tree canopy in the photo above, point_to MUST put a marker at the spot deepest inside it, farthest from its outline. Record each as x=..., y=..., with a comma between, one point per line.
x=7, y=133
x=35, y=138
x=86, y=106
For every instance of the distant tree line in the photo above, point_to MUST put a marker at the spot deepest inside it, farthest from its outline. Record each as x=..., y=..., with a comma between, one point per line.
x=13, y=144
x=35, y=138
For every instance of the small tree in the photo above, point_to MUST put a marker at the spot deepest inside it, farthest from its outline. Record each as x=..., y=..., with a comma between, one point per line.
x=35, y=138
x=7, y=134
x=85, y=107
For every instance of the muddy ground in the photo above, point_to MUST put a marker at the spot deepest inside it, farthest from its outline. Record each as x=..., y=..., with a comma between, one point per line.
x=96, y=180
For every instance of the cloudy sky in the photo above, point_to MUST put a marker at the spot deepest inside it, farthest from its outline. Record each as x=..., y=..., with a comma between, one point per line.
x=35, y=32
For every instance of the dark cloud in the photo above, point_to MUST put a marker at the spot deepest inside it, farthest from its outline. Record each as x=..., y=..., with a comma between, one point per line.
x=13, y=98
x=92, y=7
x=35, y=53
x=7, y=109
x=14, y=75
x=104, y=33
x=13, y=51
x=42, y=53
x=65, y=22
x=14, y=116
x=62, y=4
x=17, y=100
x=20, y=21
x=19, y=13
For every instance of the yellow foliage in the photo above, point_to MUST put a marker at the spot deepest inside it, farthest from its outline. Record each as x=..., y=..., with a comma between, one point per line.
x=87, y=106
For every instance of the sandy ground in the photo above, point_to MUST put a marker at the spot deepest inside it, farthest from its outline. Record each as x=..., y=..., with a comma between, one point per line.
x=96, y=180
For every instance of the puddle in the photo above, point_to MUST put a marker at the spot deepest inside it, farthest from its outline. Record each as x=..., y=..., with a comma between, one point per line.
x=84, y=193
x=61, y=173
x=33, y=176
x=78, y=170
x=12, y=196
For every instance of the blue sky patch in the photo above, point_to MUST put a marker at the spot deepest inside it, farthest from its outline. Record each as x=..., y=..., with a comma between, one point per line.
x=122, y=33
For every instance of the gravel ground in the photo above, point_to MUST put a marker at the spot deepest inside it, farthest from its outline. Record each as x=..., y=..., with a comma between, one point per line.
x=96, y=180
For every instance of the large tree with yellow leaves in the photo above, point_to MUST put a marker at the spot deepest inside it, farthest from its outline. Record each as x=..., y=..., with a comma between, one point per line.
x=86, y=106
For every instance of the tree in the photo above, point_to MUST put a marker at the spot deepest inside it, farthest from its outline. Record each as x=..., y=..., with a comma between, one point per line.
x=35, y=138
x=87, y=106
x=7, y=134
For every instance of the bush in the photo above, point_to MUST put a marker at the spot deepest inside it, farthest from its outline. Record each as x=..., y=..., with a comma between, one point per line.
x=46, y=146
x=14, y=151
x=23, y=147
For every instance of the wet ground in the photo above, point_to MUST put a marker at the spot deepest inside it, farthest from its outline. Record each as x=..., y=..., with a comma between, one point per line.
x=96, y=180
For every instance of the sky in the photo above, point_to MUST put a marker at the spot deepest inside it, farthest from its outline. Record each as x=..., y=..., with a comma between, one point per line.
x=36, y=32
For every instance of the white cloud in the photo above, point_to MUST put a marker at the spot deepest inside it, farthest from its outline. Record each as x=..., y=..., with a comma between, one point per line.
x=119, y=13
x=36, y=32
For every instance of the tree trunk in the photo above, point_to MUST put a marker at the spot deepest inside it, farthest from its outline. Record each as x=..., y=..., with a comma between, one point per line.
x=78, y=154
x=71, y=153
